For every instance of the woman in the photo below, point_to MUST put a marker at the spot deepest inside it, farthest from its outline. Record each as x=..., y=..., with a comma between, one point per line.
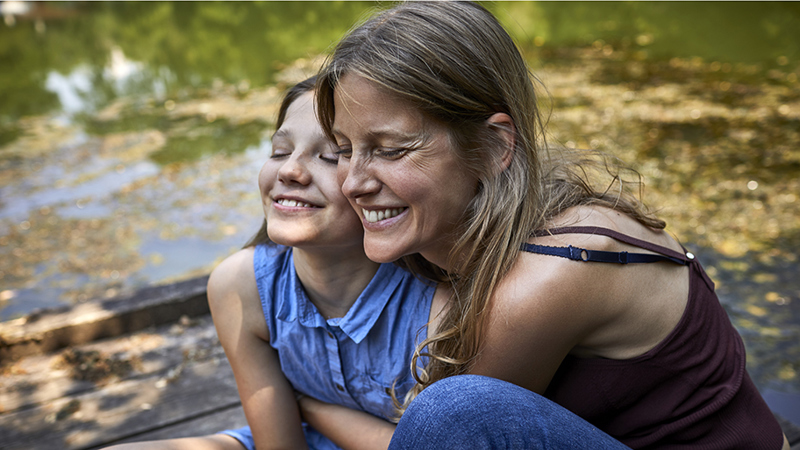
x=301, y=311
x=547, y=337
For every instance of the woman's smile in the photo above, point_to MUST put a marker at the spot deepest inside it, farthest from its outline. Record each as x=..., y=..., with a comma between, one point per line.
x=381, y=215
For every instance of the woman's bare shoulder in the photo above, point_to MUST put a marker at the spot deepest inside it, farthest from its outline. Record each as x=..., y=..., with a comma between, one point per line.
x=625, y=309
x=539, y=312
x=552, y=284
x=582, y=296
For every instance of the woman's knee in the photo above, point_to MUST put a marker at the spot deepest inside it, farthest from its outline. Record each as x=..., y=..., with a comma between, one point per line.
x=471, y=411
x=466, y=393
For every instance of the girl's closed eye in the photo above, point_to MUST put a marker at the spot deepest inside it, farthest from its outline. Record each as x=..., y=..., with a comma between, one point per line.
x=279, y=153
x=280, y=146
x=330, y=155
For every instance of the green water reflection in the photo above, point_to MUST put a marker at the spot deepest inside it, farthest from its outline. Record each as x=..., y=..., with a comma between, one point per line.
x=131, y=135
x=178, y=46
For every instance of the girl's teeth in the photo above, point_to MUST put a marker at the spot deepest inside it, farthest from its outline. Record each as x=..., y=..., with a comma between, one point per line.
x=377, y=216
x=293, y=203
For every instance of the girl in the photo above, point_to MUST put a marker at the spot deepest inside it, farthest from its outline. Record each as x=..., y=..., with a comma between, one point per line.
x=301, y=310
x=576, y=321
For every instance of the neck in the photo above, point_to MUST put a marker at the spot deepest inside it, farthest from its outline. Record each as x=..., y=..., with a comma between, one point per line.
x=438, y=253
x=333, y=278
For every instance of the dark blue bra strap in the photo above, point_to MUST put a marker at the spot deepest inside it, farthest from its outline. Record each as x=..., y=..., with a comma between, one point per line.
x=582, y=254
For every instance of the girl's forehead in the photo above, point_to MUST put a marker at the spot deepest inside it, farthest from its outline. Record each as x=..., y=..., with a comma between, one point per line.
x=301, y=124
x=300, y=110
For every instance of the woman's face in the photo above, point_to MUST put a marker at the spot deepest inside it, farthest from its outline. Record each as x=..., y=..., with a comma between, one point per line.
x=302, y=201
x=400, y=173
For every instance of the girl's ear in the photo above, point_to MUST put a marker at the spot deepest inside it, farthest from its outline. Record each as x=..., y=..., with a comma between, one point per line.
x=503, y=125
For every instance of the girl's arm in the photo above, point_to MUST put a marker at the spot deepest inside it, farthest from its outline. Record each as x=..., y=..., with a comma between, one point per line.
x=267, y=397
x=354, y=429
x=348, y=428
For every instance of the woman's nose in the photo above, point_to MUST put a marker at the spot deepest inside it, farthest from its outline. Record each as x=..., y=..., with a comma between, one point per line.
x=356, y=178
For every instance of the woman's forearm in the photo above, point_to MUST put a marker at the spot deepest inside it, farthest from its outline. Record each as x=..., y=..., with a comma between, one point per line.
x=348, y=428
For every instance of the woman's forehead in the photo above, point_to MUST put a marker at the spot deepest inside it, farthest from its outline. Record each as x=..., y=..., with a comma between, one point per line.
x=363, y=105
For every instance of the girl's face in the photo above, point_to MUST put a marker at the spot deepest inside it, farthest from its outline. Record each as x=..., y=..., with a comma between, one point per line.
x=303, y=203
x=400, y=173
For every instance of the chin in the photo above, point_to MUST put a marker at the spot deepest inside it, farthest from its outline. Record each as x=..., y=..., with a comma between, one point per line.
x=380, y=254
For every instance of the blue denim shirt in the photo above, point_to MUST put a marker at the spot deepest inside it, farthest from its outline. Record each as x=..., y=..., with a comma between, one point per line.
x=353, y=360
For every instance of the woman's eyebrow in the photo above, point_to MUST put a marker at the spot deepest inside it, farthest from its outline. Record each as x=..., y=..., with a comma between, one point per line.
x=405, y=137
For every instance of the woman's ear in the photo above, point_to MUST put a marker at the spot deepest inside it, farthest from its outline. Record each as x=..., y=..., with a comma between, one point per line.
x=503, y=125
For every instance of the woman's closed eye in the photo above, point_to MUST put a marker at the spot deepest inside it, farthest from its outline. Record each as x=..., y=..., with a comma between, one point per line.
x=391, y=153
x=344, y=152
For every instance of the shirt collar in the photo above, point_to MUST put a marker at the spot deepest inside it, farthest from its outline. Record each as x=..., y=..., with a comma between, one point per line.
x=361, y=317
x=293, y=304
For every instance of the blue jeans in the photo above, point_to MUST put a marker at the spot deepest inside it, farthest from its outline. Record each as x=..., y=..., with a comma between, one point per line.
x=476, y=412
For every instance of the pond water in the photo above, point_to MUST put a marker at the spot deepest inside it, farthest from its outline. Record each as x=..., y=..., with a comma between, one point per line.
x=131, y=135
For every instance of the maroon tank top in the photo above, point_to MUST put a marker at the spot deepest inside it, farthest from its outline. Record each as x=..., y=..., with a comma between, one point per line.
x=690, y=391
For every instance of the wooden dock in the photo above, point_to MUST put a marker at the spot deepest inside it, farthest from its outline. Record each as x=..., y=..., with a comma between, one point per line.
x=130, y=369
x=138, y=368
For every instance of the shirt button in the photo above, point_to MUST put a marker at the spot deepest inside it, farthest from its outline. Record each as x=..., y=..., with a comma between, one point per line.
x=330, y=335
x=339, y=387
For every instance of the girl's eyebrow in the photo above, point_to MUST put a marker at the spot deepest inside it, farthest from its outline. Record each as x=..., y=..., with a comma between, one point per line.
x=281, y=132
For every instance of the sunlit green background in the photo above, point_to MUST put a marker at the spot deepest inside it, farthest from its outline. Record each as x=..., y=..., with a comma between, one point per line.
x=131, y=135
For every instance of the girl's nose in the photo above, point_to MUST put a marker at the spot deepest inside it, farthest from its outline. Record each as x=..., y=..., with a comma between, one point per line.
x=294, y=170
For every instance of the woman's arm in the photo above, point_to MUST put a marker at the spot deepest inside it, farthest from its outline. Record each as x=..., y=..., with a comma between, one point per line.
x=267, y=397
x=348, y=428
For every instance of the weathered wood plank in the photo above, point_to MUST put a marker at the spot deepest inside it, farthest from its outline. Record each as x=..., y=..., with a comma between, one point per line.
x=791, y=431
x=224, y=419
x=86, y=322
x=122, y=410
x=37, y=379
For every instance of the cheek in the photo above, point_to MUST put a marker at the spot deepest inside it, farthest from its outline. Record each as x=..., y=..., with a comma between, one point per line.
x=265, y=179
x=341, y=171
x=348, y=214
x=348, y=223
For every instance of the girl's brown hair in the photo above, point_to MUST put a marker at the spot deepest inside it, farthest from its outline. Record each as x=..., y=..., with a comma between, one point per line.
x=458, y=65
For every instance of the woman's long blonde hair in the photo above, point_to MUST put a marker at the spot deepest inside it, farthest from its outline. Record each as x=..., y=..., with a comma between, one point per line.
x=456, y=63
